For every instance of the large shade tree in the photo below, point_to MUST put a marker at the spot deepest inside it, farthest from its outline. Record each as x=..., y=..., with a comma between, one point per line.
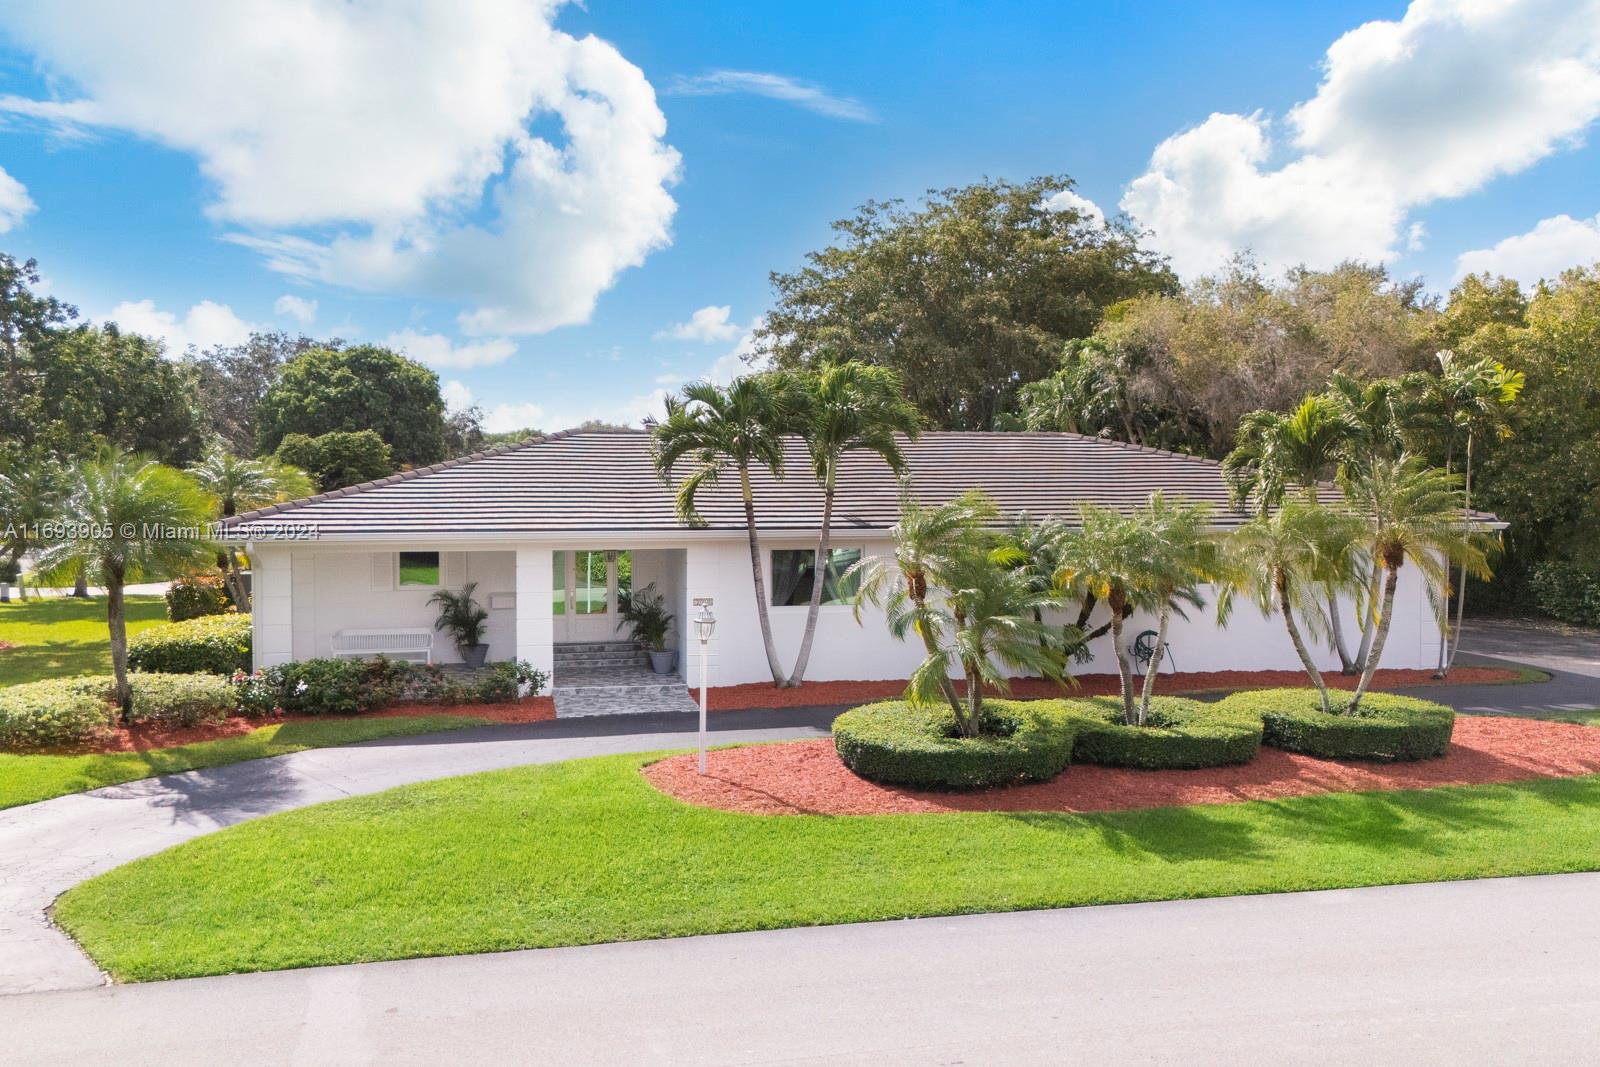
x=968, y=295
x=715, y=430
x=838, y=409
x=125, y=517
x=363, y=387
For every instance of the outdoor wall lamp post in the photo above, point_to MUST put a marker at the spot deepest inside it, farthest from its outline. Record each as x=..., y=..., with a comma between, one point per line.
x=705, y=624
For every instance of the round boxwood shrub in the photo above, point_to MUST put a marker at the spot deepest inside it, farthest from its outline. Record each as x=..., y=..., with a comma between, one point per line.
x=208, y=644
x=1385, y=726
x=1178, y=733
x=900, y=744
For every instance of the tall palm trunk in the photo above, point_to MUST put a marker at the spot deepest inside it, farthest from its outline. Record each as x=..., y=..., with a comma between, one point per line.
x=1281, y=582
x=1461, y=590
x=917, y=593
x=778, y=678
x=117, y=624
x=1369, y=621
x=1124, y=669
x=1391, y=579
x=1154, y=668
x=819, y=574
x=1336, y=629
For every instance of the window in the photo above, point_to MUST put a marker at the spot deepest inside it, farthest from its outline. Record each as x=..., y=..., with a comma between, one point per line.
x=794, y=569
x=558, y=575
x=419, y=568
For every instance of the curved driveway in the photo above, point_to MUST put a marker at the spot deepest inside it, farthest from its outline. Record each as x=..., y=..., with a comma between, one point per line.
x=47, y=848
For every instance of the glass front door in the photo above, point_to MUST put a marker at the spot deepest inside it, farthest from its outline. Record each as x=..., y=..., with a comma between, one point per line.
x=588, y=583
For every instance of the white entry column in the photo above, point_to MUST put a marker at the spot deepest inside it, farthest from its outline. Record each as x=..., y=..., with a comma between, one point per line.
x=535, y=621
x=271, y=605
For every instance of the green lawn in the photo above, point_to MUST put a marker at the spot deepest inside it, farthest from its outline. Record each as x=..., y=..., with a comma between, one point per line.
x=587, y=851
x=26, y=779
x=63, y=636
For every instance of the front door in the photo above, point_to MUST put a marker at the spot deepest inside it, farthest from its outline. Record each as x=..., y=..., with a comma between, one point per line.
x=587, y=584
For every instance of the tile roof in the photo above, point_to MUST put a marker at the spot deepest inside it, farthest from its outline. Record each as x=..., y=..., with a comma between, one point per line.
x=604, y=480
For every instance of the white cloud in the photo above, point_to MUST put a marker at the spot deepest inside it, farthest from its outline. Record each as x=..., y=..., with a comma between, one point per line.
x=387, y=147
x=1454, y=94
x=706, y=325
x=802, y=94
x=457, y=396
x=298, y=308
x=14, y=201
x=1542, y=253
x=1066, y=200
x=503, y=418
x=436, y=350
x=204, y=325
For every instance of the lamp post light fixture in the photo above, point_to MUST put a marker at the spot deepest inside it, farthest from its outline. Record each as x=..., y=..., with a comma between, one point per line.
x=705, y=624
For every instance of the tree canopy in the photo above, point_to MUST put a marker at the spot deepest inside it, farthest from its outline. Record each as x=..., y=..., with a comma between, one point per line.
x=364, y=387
x=967, y=296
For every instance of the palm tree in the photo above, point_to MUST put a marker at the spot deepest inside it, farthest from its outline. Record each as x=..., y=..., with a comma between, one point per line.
x=1153, y=559
x=1418, y=513
x=237, y=485
x=931, y=545
x=992, y=616
x=1303, y=449
x=1277, y=560
x=1373, y=409
x=844, y=407
x=740, y=427
x=126, y=516
x=1461, y=402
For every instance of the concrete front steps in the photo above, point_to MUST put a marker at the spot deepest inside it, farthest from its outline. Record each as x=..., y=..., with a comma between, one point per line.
x=613, y=678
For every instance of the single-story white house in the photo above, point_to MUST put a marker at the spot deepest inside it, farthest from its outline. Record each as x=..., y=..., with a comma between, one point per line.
x=552, y=529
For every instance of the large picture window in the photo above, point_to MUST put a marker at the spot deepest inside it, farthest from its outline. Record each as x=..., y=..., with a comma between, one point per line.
x=419, y=568
x=794, y=569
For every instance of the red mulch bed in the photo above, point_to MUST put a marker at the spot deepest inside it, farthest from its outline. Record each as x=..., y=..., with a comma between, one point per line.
x=764, y=695
x=807, y=777
x=144, y=737
x=6, y=646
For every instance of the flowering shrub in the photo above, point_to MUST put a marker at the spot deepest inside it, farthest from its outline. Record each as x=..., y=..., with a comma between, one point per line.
x=350, y=687
x=210, y=644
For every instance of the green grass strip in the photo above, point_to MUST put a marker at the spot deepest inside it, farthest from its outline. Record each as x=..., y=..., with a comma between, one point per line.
x=30, y=778
x=587, y=851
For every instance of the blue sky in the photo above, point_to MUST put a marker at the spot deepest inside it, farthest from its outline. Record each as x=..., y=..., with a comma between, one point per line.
x=540, y=214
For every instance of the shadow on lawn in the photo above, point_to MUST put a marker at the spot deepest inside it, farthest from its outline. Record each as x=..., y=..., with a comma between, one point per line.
x=1414, y=820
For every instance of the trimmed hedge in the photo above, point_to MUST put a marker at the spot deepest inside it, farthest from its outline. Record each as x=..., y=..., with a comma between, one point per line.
x=51, y=713
x=899, y=744
x=1178, y=733
x=1385, y=727
x=66, y=711
x=207, y=644
x=350, y=686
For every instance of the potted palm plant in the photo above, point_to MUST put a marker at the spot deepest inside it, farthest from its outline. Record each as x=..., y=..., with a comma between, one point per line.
x=644, y=612
x=465, y=620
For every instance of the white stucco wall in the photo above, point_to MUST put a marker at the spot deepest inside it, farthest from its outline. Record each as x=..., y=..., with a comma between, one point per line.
x=844, y=650
x=304, y=595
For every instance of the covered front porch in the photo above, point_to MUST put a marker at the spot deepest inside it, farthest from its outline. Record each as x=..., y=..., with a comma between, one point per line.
x=556, y=606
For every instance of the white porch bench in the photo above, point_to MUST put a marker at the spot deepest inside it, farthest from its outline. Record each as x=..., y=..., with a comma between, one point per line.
x=364, y=644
